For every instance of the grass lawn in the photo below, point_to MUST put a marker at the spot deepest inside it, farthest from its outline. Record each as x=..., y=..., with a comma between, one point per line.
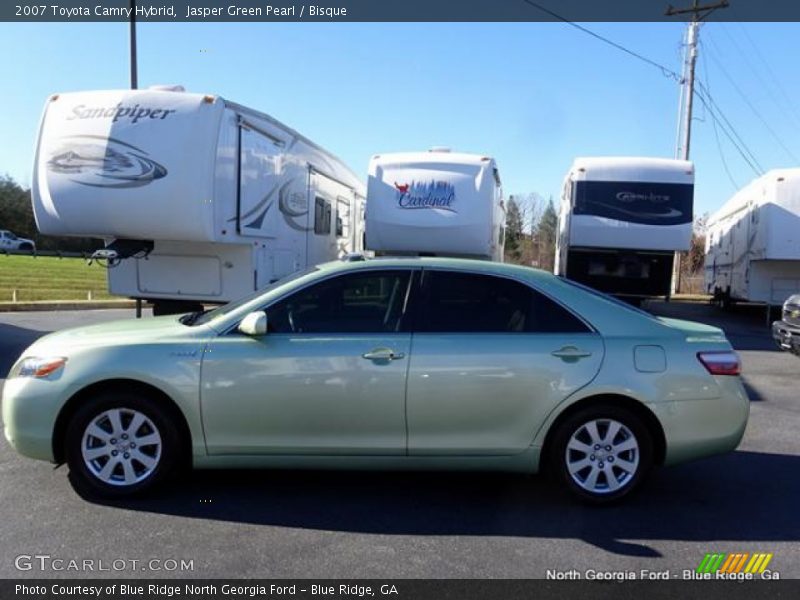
x=48, y=278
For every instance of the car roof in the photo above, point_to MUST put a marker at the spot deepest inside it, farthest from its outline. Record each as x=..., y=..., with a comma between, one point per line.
x=606, y=315
x=464, y=264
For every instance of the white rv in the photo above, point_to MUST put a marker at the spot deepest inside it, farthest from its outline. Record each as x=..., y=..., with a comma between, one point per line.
x=753, y=242
x=436, y=203
x=198, y=199
x=620, y=222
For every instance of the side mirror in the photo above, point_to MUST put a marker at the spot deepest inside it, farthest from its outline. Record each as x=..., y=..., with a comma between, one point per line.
x=254, y=324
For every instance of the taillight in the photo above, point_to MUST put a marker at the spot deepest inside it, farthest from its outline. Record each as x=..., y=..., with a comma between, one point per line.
x=721, y=363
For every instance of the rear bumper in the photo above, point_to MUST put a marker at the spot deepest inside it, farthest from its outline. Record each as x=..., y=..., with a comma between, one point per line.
x=786, y=336
x=700, y=428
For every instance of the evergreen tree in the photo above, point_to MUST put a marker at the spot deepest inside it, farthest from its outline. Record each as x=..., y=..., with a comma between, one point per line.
x=514, y=229
x=546, y=233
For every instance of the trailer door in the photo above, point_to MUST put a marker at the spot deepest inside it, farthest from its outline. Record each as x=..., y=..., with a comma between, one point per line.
x=259, y=183
x=331, y=208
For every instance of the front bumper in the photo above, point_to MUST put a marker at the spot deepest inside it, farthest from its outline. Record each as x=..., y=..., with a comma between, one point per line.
x=786, y=336
x=30, y=407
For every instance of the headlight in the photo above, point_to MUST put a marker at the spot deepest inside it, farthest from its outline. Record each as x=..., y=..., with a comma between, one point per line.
x=33, y=366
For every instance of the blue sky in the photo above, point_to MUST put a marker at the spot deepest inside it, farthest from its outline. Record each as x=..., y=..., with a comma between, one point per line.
x=534, y=95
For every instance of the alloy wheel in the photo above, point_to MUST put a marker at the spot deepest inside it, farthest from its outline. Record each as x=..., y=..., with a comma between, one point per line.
x=121, y=447
x=602, y=456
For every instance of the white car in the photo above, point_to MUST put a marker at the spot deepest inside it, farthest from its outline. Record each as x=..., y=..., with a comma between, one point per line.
x=9, y=241
x=786, y=332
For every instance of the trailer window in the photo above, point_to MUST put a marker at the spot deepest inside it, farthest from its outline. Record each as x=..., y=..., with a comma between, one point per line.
x=342, y=218
x=322, y=216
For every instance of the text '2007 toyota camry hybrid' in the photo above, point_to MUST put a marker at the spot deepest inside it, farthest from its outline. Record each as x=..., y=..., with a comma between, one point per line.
x=385, y=363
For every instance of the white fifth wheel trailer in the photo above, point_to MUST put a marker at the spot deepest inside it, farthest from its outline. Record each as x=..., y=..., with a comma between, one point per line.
x=436, y=203
x=753, y=242
x=620, y=222
x=198, y=199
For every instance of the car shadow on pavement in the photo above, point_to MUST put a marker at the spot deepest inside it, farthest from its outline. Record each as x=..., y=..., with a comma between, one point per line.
x=753, y=392
x=743, y=496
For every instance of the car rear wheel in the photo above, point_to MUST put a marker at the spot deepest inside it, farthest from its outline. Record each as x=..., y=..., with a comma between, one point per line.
x=602, y=453
x=120, y=444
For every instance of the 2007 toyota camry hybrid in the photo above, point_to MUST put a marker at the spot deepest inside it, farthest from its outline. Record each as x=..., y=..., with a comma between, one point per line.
x=384, y=363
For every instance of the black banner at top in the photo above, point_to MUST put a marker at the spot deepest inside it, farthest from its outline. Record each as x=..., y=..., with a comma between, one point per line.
x=395, y=10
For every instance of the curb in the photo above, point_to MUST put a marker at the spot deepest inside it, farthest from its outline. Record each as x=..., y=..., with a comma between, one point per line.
x=65, y=305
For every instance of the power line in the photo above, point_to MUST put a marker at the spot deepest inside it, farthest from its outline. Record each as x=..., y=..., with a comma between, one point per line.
x=747, y=101
x=789, y=103
x=728, y=129
x=705, y=96
x=727, y=126
x=716, y=133
x=667, y=72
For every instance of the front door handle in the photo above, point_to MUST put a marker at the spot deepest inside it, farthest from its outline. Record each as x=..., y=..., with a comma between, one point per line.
x=570, y=353
x=383, y=354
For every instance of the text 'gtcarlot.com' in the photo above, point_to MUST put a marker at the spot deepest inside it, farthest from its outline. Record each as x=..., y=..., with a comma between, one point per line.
x=47, y=562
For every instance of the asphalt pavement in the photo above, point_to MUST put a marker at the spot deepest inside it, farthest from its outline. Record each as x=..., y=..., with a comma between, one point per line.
x=408, y=525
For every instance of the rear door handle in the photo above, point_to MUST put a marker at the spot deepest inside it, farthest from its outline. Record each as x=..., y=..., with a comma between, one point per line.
x=383, y=354
x=570, y=352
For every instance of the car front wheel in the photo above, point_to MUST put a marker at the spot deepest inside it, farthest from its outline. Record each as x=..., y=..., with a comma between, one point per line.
x=120, y=444
x=602, y=453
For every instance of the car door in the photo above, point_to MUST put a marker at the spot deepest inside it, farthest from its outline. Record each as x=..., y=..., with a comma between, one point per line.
x=491, y=358
x=328, y=377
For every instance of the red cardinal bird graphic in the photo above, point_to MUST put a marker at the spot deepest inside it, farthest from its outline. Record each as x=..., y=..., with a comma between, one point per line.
x=403, y=189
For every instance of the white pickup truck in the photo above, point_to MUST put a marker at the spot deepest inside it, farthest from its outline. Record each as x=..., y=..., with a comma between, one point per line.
x=9, y=241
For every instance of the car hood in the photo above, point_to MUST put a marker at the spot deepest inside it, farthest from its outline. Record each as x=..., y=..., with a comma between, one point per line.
x=117, y=333
x=692, y=328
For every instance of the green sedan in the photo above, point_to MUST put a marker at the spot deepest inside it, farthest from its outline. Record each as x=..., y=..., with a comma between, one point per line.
x=416, y=363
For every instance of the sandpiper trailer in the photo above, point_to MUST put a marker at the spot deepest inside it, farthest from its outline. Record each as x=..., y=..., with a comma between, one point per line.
x=753, y=242
x=198, y=199
x=435, y=203
x=620, y=222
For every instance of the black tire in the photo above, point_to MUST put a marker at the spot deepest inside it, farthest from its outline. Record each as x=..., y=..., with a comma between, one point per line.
x=602, y=413
x=26, y=247
x=84, y=477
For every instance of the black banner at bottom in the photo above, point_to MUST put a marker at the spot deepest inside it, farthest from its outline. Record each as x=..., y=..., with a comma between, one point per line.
x=399, y=589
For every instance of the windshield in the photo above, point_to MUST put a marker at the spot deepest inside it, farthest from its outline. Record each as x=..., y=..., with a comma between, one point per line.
x=207, y=317
x=617, y=301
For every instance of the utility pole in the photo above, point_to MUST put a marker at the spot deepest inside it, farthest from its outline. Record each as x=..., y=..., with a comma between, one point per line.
x=687, y=95
x=686, y=102
x=134, y=85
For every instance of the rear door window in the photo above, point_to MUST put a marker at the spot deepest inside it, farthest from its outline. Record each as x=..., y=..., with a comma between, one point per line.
x=457, y=302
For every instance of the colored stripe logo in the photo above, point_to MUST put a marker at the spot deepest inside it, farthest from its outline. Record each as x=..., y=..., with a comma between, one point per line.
x=742, y=562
